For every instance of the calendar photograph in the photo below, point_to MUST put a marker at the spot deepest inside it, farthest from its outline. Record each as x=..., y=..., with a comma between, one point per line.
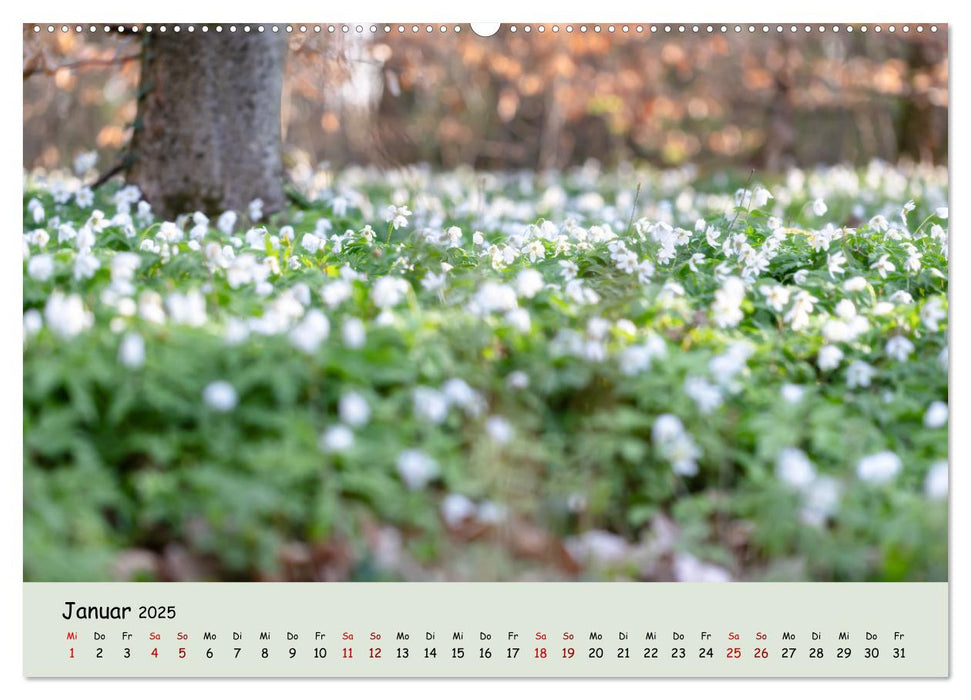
x=520, y=303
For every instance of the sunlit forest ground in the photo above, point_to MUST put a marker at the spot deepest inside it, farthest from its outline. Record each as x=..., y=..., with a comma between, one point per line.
x=421, y=374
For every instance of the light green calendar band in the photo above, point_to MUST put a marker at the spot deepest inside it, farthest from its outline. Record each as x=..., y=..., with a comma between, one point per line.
x=486, y=629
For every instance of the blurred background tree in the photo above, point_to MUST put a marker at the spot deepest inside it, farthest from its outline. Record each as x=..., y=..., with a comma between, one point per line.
x=207, y=129
x=539, y=100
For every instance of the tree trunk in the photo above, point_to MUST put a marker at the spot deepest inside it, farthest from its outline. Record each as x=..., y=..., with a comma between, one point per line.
x=207, y=135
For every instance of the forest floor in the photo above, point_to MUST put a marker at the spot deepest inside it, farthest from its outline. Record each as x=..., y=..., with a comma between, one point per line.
x=476, y=376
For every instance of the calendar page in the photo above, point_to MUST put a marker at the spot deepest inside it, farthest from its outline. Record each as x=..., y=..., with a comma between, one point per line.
x=485, y=350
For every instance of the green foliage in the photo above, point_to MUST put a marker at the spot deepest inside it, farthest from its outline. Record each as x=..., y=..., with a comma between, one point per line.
x=129, y=455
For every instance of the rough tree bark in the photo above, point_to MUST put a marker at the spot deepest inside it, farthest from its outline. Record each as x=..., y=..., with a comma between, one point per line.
x=207, y=134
